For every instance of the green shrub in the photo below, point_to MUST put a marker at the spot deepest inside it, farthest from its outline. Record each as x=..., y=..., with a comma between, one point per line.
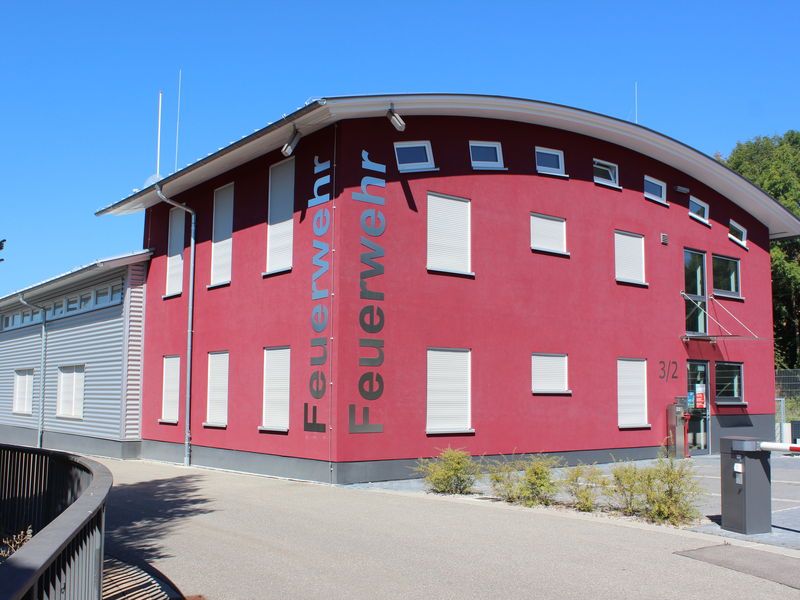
x=527, y=481
x=671, y=492
x=625, y=489
x=586, y=483
x=452, y=472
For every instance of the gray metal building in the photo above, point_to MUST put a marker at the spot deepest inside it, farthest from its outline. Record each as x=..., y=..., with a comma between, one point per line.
x=91, y=345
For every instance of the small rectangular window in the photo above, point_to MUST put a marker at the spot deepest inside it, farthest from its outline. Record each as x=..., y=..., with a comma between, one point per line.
x=549, y=161
x=655, y=190
x=737, y=233
x=49, y=311
x=101, y=296
x=23, y=391
x=70, y=391
x=6, y=322
x=414, y=156
x=85, y=300
x=629, y=257
x=632, y=392
x=728, y=378
x=26, y=317
x=698, y=210
x=448, y=234
x=605, y=173
x=217, y=414
x=222, y=236
x=726, y=276
x=72, y=304
x=549, y=374
x=548, y=234
x=116, y=292
x=58, y=308
x=486, y=155
x=170, y=391
x=448, y=391
x=275, y=416
x=280, y=218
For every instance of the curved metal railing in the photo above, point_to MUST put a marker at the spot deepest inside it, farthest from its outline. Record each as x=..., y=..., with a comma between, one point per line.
x=62, y=498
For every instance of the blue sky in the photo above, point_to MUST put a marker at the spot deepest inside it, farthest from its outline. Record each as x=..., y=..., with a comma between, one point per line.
x=80, y=83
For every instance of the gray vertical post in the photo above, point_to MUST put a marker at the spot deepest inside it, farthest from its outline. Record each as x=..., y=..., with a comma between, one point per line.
x=745, y=485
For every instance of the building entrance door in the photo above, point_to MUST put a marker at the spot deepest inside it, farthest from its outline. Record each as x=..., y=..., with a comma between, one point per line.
x=697, y=442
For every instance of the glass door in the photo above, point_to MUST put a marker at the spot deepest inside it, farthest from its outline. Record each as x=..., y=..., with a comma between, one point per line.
x=697, y=394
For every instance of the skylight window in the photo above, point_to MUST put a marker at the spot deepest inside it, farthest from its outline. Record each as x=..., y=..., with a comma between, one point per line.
x=486, y=155
x=414, y=156
x=698, y=210
x=549, y=161
x=655, y=190
x=605, y=173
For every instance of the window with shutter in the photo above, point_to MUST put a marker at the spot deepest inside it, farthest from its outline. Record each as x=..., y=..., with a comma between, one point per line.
x=171, y=389
x=177, y=220
x=632, y=392
x=549, y=374
x=217, y=389
x=448, y=234
x=70, y=391
x=448, y=391
x=23, y=391
x=276, y=389
x=629, y=257
x=222, y=240
x=548, y=234
x=281, y=217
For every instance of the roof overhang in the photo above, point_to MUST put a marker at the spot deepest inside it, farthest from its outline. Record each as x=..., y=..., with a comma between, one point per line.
x=321, y=113
x=76, y=275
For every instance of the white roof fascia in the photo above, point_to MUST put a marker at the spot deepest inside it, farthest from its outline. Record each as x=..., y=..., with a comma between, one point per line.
x=780, y=221
x=75, y=275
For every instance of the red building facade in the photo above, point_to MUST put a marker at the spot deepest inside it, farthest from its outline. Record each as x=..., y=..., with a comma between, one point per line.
x=502, y=275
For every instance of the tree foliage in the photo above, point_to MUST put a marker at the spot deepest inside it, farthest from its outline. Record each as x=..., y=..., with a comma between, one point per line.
x=773, y=164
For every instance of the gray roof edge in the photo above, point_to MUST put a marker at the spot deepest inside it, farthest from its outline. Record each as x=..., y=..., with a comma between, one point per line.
x=48, y=285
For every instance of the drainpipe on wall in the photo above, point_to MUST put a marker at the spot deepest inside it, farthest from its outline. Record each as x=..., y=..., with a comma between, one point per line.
x=187, y=459
x=41, y=371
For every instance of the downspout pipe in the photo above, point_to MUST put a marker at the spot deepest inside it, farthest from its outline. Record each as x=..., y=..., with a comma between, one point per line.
x=43, y=312
x=187, y=458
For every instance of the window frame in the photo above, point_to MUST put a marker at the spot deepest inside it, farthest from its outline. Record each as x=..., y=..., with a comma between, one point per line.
x=480, y=165
x=428, y=165
x=612, y=168
x=650, y=196
x=700, y=299
x=176, y=237
x=695, y=216
x=741, y=242
x=221, y=243
x=26, y=377
x=721, y=292
x=622, y=251
x=549, y=364
x=77, y=384
x=730, y=400
x=545, y=170
x=437, y=403
x=626, y=402
x=278, y=202
x=563, y=234
x=440, y=261
x=280, y=403
x=218, y=403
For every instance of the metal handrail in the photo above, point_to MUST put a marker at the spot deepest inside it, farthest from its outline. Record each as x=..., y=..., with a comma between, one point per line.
x=62, y=497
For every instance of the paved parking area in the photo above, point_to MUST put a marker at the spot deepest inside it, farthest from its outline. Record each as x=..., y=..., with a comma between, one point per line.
x=229, y=535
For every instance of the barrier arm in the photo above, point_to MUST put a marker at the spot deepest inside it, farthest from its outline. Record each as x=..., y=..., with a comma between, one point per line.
x=776, y=447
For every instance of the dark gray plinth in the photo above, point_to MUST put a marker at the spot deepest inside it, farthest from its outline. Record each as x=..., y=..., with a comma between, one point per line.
x=745, y=485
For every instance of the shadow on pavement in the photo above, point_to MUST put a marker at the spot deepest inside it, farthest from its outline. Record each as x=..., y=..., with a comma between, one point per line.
x=139, y=515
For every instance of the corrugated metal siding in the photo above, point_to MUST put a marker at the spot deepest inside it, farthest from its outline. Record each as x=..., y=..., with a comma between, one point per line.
x=20, y=349
x=133, y=350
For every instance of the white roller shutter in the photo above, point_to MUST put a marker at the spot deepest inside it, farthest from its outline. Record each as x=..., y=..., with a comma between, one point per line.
x=632, y=392
x=448, y=234
x=280, y=228
x=218, y=388
x=222, y=246
x=549, y=373
x=23, y=390
x=70, y=391
x=171, y=389
x=276, y=388
x=448, y=390
x=548, y=233
x=629, y=257
x=177, y=220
